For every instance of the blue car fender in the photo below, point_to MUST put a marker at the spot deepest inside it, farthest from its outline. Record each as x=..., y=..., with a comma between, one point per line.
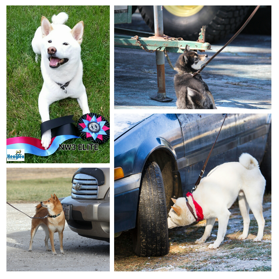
x=147, y=147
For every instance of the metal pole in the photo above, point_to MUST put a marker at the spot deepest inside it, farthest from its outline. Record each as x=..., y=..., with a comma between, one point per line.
x=160, y=56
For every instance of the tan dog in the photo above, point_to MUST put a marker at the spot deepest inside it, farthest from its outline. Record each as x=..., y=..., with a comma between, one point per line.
x=54, y=222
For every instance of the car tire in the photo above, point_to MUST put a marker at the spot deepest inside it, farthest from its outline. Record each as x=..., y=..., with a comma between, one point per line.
x=219, y=21
x=150, y=237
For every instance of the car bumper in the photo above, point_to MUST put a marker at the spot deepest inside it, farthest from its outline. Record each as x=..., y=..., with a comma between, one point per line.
x=126, y=202
x=88, y=218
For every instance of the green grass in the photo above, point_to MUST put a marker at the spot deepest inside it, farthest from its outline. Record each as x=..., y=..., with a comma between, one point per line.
x=24, y=80
x=35, y=190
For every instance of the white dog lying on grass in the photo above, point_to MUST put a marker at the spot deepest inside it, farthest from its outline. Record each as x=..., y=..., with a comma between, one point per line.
x=61, y=65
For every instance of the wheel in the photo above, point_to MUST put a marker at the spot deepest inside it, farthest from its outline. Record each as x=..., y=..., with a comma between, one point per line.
x=186, y=21
x=150, y=237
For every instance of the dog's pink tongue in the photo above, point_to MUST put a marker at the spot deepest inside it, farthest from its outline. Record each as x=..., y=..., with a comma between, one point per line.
x=54, y=61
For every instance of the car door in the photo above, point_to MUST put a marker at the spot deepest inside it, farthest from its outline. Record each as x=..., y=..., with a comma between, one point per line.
x=240, y=133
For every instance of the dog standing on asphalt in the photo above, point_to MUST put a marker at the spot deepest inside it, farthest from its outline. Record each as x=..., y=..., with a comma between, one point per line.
x=191, y=92
x=215, y=195
x=54, y=222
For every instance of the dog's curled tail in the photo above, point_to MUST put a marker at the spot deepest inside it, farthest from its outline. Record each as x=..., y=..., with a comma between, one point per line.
x=61, y=18
x=248, y=161
x=39, y=207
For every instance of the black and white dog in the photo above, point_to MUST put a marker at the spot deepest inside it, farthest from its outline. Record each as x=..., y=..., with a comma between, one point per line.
x=191, y=92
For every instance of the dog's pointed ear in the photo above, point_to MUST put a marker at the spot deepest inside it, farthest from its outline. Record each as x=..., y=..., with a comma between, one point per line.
x=185, y=58
x=177, y=210
x=45, y=26
x=54, y=196
x=77, y=31
x=173, y=200
x=187, y=48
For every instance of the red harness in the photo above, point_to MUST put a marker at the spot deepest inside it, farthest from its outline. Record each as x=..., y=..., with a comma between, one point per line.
x=198, y=208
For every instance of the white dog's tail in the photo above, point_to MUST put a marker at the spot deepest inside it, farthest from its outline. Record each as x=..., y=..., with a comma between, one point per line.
x=61, y=18
x=248, y=161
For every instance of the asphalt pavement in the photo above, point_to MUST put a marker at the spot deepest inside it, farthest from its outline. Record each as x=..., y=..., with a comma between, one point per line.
x=81, y=253
x=239, y=77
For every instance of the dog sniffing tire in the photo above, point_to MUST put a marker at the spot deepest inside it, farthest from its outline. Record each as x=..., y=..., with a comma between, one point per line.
x=220, y=21
x=150, y=237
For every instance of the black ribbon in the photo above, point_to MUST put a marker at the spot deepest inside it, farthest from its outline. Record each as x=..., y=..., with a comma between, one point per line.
x=60, y=126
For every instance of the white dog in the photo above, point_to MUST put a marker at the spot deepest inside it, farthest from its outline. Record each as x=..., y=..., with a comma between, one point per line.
x=215, y=195
x=61, y=65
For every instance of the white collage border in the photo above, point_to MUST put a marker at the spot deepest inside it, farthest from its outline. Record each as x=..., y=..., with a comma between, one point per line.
x=274, y=111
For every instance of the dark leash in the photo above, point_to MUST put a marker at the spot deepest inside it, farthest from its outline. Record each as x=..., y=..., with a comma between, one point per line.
x=27, y=214
x=201, y=174
x=232, y=38
x=206, y=161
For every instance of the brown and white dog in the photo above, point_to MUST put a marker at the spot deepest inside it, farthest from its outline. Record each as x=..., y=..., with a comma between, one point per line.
x=215, y=195
x=54, y=222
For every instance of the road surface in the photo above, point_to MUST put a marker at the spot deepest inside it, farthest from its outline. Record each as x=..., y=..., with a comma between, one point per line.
x=239, y=77
x=81, y=254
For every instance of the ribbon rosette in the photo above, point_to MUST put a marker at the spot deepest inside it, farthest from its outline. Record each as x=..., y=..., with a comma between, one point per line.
x=94, y=127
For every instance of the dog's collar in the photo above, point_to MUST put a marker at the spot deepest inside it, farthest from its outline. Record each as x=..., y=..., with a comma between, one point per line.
x=63, y=86
x=54, y=216
x=198, y=210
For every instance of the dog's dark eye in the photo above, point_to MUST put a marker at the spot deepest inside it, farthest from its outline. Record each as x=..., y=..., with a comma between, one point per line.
x=65, y=44
x=50, y=41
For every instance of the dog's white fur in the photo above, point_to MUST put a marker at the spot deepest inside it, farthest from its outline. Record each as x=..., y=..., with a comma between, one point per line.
x=217, y=192
x=67, y=45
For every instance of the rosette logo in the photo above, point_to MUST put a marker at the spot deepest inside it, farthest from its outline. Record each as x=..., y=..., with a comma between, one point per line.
x=94, y=127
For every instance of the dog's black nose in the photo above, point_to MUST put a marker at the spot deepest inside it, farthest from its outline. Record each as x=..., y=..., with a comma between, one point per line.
x=51, y=50
x=206, y=55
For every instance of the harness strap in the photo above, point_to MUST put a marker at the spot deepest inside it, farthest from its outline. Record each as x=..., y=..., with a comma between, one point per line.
x=191, y=209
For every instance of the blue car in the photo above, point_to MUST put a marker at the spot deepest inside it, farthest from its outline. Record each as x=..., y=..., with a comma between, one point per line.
x=160, y=156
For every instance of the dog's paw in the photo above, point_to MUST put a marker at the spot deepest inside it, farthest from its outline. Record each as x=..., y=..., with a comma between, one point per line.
x=29, y=250
x=54, y=253
x=213, y=246
x=257, y=239
x=242, y=237
x=200, y=241
x=46, y=139
x=62, y=252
